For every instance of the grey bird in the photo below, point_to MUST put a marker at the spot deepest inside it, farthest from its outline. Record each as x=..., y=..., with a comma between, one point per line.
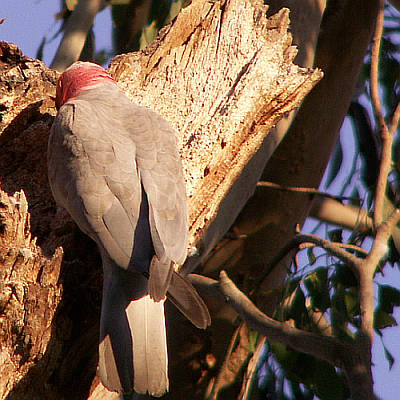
x=115, y=167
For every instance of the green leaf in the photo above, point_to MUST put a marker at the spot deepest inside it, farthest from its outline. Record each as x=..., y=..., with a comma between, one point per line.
x=317, y=375
x=296, y=308
x=344, y=276
x=389, y=357
x=352, y=302
x=383, y=320
x=317, y=277
x=300, y=393
x=339, y=315
x=365, y=135
x=290, y=288
x=328, y=383
x=39, y=53
x=335, y=164
x=388, y=298
x=71, y=4
x=335, y=235
x=253, y=337
x=148, y=34
x=176, y=6
x=311, y=256
x=318, y=287
x=299, y=367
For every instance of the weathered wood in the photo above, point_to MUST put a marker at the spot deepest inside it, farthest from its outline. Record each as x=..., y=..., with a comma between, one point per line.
x=29, y=293
x=49, y=324
x=223, y=75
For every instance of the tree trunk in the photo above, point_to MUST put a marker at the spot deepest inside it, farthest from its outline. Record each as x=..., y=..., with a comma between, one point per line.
x=223, y=75
x=270, y=217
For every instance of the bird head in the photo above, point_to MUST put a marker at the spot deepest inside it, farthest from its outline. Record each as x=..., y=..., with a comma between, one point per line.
x=77, y=77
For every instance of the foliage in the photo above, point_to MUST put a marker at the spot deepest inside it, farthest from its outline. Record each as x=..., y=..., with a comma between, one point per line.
x=321, y=294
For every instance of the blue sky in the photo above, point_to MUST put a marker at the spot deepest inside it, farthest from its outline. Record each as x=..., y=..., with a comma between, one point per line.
x=26, y=22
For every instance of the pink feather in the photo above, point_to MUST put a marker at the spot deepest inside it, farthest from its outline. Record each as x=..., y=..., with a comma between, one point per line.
x=78, y=77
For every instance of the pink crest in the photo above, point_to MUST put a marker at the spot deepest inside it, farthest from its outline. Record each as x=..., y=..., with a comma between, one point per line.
x=78, y=76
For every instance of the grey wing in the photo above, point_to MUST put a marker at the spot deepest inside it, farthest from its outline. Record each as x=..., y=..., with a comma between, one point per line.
x=162, y=176
x=95, y=177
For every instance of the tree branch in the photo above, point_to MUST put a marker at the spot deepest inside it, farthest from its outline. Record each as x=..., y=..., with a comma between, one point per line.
x=395, y=120
x=367, y=272
x=305, y=190
x=235, y=358
x=352, y=358
x=328, y=207
x=76, y=30
x=347, y=246
x=376, y=44
x=324, y=347
x=386, y=135
x=348, y=216
x=333, y=248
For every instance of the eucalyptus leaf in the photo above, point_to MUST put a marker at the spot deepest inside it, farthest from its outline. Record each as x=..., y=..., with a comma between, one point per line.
x=388, y=356
x=329, y=384
x=388, y=298
x=383, y=320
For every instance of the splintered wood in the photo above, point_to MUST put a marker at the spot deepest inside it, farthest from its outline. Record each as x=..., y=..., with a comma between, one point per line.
x=223, y=75
x=29, y=293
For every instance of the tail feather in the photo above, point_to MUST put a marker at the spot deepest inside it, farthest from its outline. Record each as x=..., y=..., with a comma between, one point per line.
x=115, y=348
x=186, y=299
x=160, y=278
x=133, y=348
x=108, y=370
x=150, y=363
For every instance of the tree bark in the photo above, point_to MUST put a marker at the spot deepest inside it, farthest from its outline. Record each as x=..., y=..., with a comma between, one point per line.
x=223, y=75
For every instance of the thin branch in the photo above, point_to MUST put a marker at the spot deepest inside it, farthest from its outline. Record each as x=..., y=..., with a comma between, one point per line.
x=347, y=246
x=395, y=120
x=386, y=161
x=233, y=362
x=250, y=376
x=351, y=357
x=298, y=189
x=208, y=287
x=326, y=348
x=386, y=136
x=376, y=44
x=334, y=249
x=367, y=272
x=319, y=319
x=380, y=244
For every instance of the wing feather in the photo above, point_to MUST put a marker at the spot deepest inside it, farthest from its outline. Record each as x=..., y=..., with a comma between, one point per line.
x=120, y=149
x=161, y=172
x=97, y=179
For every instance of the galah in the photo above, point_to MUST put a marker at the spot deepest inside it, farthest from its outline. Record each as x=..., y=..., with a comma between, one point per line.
x=115, y=167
